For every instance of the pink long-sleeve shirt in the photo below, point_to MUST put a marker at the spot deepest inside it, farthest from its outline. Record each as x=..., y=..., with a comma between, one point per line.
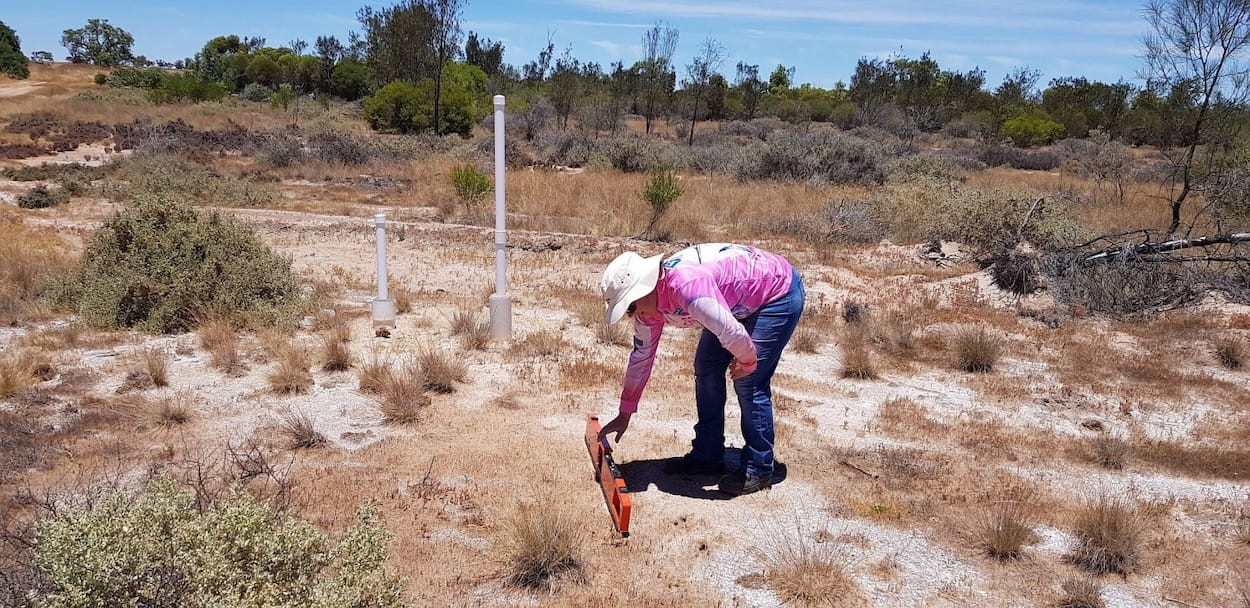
x=711, y=285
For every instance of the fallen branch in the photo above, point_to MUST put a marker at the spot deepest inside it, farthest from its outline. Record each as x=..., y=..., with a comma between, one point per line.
x=1172, y=245
x=858, y=468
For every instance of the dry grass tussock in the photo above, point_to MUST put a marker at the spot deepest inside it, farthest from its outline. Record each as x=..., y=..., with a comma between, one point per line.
x=539, y=345
x=299, y=431
x=474, y=332
x=618, y=334
x=902, y=415
x=441, y=370
x=163, y=413
x=402, y=394
x=806, y=340
x=857, y=357
x=1108, y=451
x=1004, y=530
x=543, y=547
x=976, y=349
x=1232, y=353
x=155, y=362
x=805, y=572
x=17, y=372
x=292, y=376
x=336, y=352
x=1109, y=536
x=220, y=338
x=1083, y=592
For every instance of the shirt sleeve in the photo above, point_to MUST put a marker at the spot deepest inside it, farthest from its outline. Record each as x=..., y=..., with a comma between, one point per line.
x=707, y=305
x=641, y=360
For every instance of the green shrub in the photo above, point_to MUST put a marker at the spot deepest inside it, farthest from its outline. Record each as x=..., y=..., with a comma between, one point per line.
x=1027, y=132
x=660, y=192
x=42, y=197
x=254, y=91
x=177, y=88
x=140, y=78
x=396, y=107
x=160, y=550
x=470, y=184
x=158, y=263
x=165, y=174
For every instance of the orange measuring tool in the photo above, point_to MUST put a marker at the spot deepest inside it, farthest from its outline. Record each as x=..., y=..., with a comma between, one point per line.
x=608, y=475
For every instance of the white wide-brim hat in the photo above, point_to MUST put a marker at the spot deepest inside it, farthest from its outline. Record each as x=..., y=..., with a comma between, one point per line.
x=629, y=277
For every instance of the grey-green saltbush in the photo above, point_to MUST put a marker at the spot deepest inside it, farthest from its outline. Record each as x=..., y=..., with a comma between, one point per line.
x=160, y=550
x=158, y=263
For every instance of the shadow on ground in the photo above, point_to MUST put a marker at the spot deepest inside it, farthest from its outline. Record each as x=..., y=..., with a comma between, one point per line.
x=642, y=475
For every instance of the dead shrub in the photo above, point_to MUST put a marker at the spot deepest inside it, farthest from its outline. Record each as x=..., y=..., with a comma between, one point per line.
x=1109, y=451
x=402, y=394
x=976, y=349
x=1083, y=592
x=543, y=547
x=1109, y=536
x=806, y=340
x=299, y=431
x=441, y=370
x=805, y=572
x=1018, y=270
x=1004, y=530
x=857, y=358
x=1231, y=352
x=292, y=375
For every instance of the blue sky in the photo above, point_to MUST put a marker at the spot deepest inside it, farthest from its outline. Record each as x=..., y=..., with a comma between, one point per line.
x=822, y=40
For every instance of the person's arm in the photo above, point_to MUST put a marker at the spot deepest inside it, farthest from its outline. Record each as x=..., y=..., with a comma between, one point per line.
x=707, y=306
x=637, y=373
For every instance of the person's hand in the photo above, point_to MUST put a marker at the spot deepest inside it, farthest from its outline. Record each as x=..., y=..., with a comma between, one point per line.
x=739, y=370
x=618, y=426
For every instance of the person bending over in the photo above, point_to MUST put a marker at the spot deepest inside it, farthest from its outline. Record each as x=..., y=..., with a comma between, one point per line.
x=748, y=302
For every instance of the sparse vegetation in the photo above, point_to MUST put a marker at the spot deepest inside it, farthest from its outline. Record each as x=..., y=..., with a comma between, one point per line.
x=1109, y=536
x=805, y=572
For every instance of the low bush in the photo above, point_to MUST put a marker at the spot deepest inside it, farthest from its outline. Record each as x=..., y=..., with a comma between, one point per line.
x=630, y=154
x=160, y=550
x=42, y=197
x=470, y=185
x=254, y=91
x=821, y=156
x=840, y=222
x=158, y=263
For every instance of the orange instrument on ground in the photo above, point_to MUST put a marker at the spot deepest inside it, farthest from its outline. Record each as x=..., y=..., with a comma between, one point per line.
x=608, y=475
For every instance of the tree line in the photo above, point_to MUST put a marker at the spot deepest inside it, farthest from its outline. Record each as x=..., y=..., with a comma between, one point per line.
x=416, y=70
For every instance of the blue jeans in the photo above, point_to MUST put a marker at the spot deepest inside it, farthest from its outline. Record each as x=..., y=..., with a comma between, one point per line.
x=770, y=328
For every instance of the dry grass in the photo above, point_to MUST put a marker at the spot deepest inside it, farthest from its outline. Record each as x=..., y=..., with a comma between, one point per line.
x=28, y=259
x=474, y=331
x=166, y=412
x=17, y=372
x=976, y=349
x=336, y=352
x=806, y=340
x=1004, y=530
x=614, y=335
x=1109, y=534
x=373, y=373
x=539, y=345
x=299, y=431
x=219, y=337
x=581, y=371
x=543, y=547
x=857, y=358
x=1231, y=352
x=1108, y=451
x=805, y=572
x=1083, y=592
x=155, y=362
x=441, y=370
x=292, y=375
x=402, y=394
x=1224, y=462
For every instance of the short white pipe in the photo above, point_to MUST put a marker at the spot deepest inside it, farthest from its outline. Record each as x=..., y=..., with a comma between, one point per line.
x=380, y=221
x=501, y=235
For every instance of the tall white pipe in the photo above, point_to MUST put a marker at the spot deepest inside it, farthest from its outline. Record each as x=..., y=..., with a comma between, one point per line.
x=500, y=303
x=501, y=235
x=383, y=307
x=379, y=220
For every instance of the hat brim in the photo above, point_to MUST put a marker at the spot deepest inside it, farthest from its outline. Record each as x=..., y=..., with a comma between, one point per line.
x=648, y=276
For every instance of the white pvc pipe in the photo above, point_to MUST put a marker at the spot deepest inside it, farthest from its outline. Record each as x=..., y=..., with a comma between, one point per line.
x=380, y=221
x=501, y=235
